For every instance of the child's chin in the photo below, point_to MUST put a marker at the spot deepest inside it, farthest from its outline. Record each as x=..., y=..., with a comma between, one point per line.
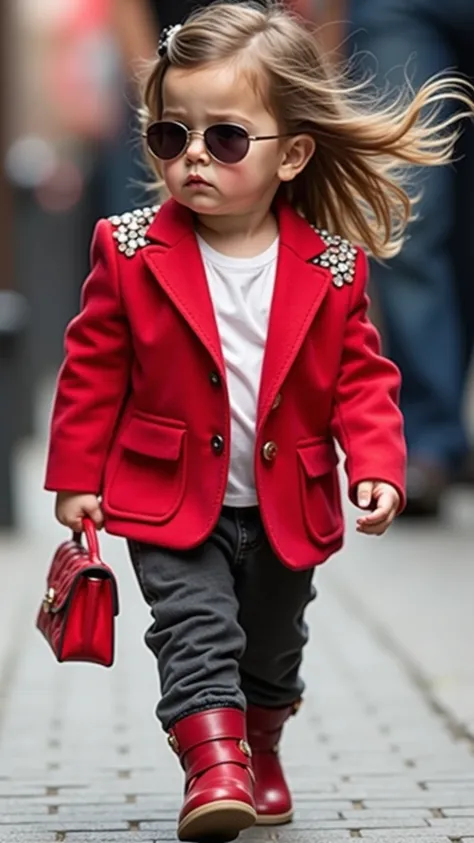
x=201, y=204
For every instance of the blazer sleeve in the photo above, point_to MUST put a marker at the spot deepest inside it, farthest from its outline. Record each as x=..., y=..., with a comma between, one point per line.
x=366, y=420
x=93, y=379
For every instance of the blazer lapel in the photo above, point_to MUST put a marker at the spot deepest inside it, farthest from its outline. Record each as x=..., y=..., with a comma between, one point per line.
x=300, y=288
x=177, y=265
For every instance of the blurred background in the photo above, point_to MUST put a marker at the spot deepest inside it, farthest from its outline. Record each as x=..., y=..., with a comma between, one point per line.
x=71, y=153
x=390, y=668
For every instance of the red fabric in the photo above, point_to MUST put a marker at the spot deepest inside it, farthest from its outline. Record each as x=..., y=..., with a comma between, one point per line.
x=136, y=411
x=79, y=625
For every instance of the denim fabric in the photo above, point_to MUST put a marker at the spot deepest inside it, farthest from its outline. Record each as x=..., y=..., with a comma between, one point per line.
x=426, y=294
x=121, y=173
x=228, y=619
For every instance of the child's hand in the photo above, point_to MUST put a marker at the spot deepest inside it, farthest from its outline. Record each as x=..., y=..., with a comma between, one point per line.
x=384, y=500
x=71, y=508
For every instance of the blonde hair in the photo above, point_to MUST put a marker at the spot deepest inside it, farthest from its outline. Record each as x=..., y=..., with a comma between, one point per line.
x=356, y=182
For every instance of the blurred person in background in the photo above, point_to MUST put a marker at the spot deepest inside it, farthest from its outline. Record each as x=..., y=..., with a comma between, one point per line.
x=426, y=293
x=61, y=103
x=139, y=22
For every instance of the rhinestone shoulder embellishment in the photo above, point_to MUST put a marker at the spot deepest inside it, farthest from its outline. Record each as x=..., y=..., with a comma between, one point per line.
x=130, y=229
x=339, y=257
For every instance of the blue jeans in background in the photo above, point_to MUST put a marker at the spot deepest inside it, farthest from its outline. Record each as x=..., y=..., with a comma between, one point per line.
x=426, y=294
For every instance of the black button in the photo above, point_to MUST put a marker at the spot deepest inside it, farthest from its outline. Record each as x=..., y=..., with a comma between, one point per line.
x=215, y=378
x=217, y=444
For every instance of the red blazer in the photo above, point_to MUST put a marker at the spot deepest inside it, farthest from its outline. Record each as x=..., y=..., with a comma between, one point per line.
x=142, y=414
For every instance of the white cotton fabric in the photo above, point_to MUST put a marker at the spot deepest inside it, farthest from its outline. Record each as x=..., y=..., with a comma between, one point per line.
x=241, y=290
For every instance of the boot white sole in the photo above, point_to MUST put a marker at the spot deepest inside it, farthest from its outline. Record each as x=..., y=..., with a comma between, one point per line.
x=274, y=819
x=220, y=821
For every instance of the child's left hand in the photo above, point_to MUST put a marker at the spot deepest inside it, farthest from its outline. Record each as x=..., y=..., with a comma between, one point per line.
x=385, y=501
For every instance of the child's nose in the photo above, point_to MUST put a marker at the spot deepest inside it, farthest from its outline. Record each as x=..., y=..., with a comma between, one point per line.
x=197, y=148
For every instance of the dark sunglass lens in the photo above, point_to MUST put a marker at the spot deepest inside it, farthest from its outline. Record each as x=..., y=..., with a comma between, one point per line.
x=166, y=140
x=227, y=143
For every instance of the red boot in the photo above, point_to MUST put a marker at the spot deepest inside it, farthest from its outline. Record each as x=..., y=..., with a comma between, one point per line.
x=216, y=758
x=272, y=795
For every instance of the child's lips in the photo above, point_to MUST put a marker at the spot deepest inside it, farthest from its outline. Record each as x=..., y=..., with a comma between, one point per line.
x=196, y=181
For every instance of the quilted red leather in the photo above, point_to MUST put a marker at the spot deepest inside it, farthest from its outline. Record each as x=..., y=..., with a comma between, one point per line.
x=77, y=613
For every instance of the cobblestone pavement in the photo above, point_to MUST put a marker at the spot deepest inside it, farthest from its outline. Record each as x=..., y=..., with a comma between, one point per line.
x=382, y=748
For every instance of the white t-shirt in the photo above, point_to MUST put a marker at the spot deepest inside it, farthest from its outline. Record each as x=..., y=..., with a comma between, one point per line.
x=241, y=290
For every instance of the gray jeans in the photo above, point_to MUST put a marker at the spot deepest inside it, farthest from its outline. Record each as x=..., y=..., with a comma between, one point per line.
x=228, y=622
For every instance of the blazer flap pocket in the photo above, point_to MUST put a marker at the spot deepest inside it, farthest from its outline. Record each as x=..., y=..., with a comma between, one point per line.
x=318, y=458
x=153, y=438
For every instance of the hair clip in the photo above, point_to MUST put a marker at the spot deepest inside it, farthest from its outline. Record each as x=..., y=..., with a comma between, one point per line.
x=166, y=38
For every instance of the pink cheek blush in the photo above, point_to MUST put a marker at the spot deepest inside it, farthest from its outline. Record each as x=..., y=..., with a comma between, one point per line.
x=233, y=176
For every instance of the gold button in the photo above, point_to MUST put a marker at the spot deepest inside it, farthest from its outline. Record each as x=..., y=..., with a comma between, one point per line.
x=245, y=748
x=269, y=451
x=277, y=401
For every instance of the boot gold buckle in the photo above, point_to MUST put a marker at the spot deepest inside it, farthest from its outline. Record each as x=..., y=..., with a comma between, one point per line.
x=244, y=747
x=173, y=743
x=296, y=706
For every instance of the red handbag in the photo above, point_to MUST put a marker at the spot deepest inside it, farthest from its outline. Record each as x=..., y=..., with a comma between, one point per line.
x=77, y=612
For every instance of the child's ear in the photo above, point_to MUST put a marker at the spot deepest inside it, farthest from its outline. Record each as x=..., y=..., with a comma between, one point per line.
x=296, y=155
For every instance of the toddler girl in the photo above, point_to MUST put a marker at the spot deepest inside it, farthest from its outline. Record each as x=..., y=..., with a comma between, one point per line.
x=222, y=347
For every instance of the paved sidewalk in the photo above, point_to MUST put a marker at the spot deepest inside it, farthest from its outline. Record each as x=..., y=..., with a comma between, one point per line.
x=382, y=748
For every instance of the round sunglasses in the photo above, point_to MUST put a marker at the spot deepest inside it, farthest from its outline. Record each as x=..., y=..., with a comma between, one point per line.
x=227, y=143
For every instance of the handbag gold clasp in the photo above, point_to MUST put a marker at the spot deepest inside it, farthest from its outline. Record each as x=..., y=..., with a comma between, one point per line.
x=48, y=600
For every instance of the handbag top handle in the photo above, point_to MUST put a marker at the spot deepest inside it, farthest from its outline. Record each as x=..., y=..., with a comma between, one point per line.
x=91, y=539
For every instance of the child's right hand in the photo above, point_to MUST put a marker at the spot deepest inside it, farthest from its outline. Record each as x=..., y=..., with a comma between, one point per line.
x=71, y=508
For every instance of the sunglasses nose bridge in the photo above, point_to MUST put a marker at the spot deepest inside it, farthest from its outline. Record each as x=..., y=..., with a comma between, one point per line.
x=196, y=143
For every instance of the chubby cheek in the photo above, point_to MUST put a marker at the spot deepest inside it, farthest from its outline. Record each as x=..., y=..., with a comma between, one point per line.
x=253, y=175
x=173, y=175
x=237, y=180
